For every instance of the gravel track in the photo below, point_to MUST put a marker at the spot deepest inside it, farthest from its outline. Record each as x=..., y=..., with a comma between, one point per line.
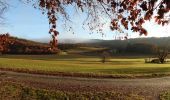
x=149, y=88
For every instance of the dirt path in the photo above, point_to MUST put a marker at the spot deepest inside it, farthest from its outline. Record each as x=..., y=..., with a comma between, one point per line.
x=150, y=88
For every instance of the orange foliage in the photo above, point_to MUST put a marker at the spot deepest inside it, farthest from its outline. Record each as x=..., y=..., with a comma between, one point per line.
x=127, y=13
x=4, y=42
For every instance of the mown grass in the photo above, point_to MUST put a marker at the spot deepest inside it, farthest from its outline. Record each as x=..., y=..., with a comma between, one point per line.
x=81, y=64
x=13, y=91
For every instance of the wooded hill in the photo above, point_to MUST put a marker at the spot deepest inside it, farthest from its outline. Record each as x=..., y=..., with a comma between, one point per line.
x=14, y=45
x=137, y=46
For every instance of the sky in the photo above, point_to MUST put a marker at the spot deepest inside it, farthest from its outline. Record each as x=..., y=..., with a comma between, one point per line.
x=24, y=21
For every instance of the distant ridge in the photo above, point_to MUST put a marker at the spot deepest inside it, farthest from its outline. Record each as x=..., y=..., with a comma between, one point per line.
x=152, y=40
x=162, y=41
x=24, y=46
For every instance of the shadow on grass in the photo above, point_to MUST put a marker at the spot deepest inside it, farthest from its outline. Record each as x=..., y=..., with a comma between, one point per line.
x=46, y=57
x=143, y=70
x=109, y=62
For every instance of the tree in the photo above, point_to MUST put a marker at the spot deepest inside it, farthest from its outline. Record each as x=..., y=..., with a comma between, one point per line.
x=162, y=54
x=4, y=43
x=123, y=14
x=161, y=57
x=105, y=56
x=142, y=48
x=3, y=7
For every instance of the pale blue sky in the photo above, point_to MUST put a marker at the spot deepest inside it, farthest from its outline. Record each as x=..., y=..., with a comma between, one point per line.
x=22, y=20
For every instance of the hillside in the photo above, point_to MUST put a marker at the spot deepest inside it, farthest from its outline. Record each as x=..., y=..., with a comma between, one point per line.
x=14, y=45
x=28, y=42
x=137, y=45
x=161, y=42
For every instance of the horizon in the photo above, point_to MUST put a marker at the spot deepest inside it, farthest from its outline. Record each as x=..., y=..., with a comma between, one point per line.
x=82, y=40
x=23, y=25
x=46, y=55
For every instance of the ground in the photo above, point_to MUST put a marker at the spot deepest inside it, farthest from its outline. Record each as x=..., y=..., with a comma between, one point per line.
x=76, y=65
x=147, y=89
x=120, y=77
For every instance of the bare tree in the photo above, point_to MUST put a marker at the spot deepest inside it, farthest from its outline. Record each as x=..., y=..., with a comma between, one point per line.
x=162, y=54
x=105, y=56
x=123, y=14
x=3, y=8
x=4, y=43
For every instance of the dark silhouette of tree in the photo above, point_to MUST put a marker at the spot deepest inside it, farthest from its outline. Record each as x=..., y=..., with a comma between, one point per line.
x=105, y=56
x=143, y=48
x=162, y=54
x=161, y=57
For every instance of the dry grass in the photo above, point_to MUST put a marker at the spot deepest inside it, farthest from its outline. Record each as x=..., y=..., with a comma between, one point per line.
x=13, y=91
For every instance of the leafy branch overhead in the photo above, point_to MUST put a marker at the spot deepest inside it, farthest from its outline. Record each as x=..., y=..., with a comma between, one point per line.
x=3, y=6
x=124, y=14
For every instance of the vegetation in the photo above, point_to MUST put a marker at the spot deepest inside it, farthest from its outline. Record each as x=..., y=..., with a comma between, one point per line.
x=161, y=57
x=3, y=7
x=105, y=56
x=162, y=54
x=121, y=13
x=13, y=45
x=13, y=91
x=72, y=65
x=93, y=47
x=4, y=43
x=165, y=96
x=142, y=48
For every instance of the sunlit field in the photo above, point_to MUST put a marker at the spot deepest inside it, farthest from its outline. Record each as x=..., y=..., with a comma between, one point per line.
x=83, y=64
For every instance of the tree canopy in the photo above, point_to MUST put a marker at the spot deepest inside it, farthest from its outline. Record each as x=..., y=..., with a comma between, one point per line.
x=4, y=42
x=123, y=14
x=3, y=7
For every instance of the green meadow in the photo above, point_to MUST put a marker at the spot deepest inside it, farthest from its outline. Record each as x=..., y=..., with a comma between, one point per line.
x=83, y=64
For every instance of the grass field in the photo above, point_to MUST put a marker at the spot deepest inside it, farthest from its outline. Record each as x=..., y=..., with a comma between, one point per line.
x=85, y=66
x=82, y=64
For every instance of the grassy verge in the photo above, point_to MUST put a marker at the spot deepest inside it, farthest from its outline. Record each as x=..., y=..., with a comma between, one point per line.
x=83, y=66
x=13, y=91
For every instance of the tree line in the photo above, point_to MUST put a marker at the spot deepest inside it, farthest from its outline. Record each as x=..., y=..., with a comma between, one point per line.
x=13, y=45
